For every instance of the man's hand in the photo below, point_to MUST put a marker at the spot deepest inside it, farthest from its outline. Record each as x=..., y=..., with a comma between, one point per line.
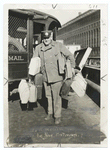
x=77, y=71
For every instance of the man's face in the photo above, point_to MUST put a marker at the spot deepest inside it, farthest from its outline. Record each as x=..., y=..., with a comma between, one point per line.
x=47, y=41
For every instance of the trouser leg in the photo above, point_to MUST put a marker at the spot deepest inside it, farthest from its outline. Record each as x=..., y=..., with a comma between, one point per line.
x=49, y=97
x=57, y=99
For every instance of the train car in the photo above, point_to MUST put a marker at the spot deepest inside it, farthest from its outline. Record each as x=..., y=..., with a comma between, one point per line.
x=24, y=28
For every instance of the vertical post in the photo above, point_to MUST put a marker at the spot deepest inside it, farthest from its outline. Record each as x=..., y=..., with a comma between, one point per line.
x=89, y=39
x=55, y=33
x=93, y=37
x=98, y=37
x=81, y=39
x=29, y=38
x=86, y=39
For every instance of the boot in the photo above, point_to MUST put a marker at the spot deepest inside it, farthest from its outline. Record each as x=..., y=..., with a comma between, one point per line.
x=49, y=116
x=30, y=106
x=57, y=120
x=24, y=107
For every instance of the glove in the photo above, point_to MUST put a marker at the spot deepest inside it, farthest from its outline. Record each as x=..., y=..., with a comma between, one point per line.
x=76, y=71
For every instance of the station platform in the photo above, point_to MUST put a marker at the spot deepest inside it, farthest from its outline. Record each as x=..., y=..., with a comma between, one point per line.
x=80, y=123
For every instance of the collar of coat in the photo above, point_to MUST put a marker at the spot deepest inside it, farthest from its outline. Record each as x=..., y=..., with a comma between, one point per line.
x=45, y=48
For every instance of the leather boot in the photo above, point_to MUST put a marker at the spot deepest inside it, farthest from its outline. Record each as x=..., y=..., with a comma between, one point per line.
x=49, y=116
x=24, y=107
x=30, y=106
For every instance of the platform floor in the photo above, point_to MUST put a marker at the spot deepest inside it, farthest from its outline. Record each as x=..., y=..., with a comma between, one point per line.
x=80, y=123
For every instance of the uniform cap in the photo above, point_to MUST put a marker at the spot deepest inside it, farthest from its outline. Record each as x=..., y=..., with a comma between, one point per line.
x=46, y=34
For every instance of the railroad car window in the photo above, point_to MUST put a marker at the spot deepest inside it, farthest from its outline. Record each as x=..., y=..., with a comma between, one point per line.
x=17, y=34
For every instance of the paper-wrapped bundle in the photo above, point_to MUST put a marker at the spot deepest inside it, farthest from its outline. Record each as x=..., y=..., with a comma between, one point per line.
x=33, y=93
x=24, y=91
x=79, y=85
x=34, y=66
x=68, y=69
x=38, y=80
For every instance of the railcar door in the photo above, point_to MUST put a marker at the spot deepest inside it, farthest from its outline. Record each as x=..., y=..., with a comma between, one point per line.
x=18, y=56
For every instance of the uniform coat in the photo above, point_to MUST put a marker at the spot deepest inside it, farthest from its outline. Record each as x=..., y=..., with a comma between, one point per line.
x=49, y=60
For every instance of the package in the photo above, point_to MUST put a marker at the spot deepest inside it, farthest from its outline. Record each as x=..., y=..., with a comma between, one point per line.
x=24, y=91
x=65, y=88
x=38, y=80
x=85, y=57
x=33, y=93
x=68, y=69
x=79, y=85
x=61, y=63
x=34, y=66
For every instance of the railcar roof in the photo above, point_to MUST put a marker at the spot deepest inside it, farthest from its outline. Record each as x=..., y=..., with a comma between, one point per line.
x=35, y=14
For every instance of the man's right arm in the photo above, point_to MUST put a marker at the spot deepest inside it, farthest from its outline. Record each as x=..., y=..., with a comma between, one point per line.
x=35, y=53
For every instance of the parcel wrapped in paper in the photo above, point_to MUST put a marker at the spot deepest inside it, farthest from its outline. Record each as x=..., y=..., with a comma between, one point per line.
x=24, y=91
x=79, y=85
x=27, y=92
x=33, y=93
x=34, y=66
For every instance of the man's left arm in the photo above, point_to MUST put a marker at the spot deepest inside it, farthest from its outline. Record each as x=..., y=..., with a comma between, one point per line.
x=69, y=56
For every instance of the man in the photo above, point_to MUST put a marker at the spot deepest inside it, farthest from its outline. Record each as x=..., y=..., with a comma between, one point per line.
x=49, y=51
